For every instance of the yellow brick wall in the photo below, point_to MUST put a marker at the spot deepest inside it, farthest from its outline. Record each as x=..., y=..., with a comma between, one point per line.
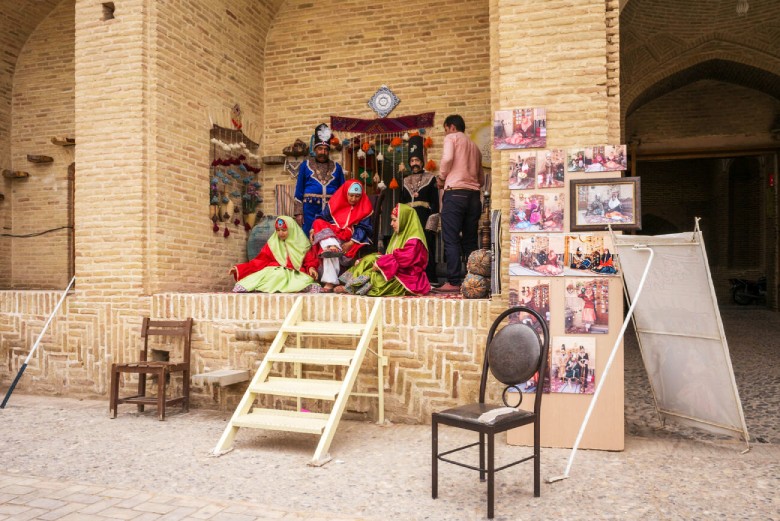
x=36, y=102
x=208, y=55
x=324, y=59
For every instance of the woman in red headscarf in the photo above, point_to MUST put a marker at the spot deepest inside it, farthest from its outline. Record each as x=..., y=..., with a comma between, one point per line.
x=343, y=227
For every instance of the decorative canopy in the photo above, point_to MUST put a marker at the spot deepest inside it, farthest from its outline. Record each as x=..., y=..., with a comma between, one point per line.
x=382, y=125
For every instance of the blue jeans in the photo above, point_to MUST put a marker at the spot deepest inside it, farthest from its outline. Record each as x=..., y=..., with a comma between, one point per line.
x=461, y=210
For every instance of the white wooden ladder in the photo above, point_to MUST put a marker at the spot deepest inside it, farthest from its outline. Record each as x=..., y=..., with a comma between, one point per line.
x=338, y=391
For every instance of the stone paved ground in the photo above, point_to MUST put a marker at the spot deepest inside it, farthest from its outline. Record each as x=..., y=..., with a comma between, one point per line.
x=65, y=459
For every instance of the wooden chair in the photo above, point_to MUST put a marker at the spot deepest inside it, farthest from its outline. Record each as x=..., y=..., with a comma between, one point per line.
x=162, y=369
x=513, y=355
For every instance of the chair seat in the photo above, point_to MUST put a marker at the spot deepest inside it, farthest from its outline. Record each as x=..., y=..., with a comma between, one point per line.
x=471, y=413
x=172, y=366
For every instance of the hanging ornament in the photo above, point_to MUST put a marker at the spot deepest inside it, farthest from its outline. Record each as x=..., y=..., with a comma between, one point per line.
x=381, y=186
x=380, y=157
x=377, y=179
x=428, y=142
x=361, y=154
x=401, y=168
x=393, y=184
x=227, y=232
x=406, y=136
x=236, y=221
x=430, y=166
x=215, y=228
x=396, y=141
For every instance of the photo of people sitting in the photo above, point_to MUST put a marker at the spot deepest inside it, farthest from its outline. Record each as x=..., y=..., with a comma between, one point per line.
x=588, y=255
x=520, y=128
x=603, y=158
x=531, y=212
x=586, y=306
x=605, y=203
x=572, y=365
x=536, y=255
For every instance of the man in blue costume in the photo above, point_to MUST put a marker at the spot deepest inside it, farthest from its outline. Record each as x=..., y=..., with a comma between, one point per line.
x=317, y=180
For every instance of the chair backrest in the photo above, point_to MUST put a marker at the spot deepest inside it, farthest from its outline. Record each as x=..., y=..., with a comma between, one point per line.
x=182, y=328
x=523, y=352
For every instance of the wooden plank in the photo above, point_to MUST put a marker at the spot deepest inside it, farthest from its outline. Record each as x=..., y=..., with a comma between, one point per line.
x=223, y=377
x=305, y=388
x=289, y=421
x=315, y=356
x=326, y=328
x=63, y=141
x=34, y=158
x=15, y=174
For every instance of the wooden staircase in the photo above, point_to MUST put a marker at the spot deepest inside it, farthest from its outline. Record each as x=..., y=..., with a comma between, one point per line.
x=337, y=391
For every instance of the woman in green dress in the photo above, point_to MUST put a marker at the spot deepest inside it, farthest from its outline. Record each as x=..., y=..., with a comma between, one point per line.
x=286, y=264
x=401, y=270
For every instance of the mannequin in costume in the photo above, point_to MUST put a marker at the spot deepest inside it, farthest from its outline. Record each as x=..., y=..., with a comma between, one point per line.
x=317, y=180
x=341, y=229
x=400, y=271
x=286, y=263
x=422, y=194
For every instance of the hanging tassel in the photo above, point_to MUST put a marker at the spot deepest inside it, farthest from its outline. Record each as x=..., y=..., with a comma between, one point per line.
x=237, y=221
x=428, y=142
x=227, y=232
x=246, y=226
x=401, y=168
x=396, y=141
x=376, y=179
x=430, y=166
x=364, y=146
x=380, y=157
x=405, y=136
x=393, y=184
x=215, y=228
x=361, y=154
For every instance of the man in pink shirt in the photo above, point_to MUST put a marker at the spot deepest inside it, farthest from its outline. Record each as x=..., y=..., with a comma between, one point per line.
x=461, y=177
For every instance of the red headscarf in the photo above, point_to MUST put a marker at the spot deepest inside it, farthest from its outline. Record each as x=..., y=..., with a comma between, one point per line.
x=345, y=215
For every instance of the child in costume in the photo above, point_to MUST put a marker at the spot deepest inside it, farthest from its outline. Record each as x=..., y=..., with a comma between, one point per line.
x=400, y=271
x=343, y=227
x=286, y=264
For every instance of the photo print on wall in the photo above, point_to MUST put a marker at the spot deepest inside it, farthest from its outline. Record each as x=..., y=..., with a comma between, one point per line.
x=534, y=212
x=520, y=128
x=572, y=364
x=602, y=158
x=589, y=255
x=586, y=308
x=536, y=255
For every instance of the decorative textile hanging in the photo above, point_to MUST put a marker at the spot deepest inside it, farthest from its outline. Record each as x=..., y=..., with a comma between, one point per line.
x=382, y=125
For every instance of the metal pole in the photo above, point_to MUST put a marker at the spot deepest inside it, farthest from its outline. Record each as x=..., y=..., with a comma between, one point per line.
x=606, y=368
x=35, y=346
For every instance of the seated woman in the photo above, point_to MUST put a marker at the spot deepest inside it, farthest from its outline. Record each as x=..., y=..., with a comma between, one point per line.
x=607, y=264
x=550, y=265
x=579, y=261
x=341, y=229
x=286, y=263
x=400, y=271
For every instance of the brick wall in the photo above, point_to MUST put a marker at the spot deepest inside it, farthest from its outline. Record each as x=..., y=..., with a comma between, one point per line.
x=324, y=60
x=207, y=56
x=17, y=21
x=431, y=366
x=43, y=106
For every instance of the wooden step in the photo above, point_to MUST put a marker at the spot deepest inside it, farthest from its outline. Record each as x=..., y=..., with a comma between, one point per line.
x=314, y=356
x=326, y=328
x=276, y=420
x=305, y=388
x=63, y=141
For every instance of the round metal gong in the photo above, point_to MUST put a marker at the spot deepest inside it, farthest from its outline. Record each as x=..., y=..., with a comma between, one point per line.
x=514, y=353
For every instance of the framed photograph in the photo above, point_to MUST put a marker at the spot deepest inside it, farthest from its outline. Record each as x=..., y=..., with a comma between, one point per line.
x=535, y=255
x=595, y=203
x=586, y=255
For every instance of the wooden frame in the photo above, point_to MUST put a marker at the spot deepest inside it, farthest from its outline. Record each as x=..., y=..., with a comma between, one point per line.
x=592, y=205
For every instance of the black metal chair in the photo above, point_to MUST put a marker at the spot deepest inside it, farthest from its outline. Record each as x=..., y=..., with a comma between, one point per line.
x=513, y=355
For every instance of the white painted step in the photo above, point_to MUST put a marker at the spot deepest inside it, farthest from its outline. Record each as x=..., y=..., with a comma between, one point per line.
x=326, y=328
x=276, y=420
x=314, y=356
x=305, y=388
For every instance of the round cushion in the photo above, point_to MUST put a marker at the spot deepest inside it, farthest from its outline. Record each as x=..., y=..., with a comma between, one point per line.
x=479, y=262
x=514, y=353
x=259, y=235
x=475, y=286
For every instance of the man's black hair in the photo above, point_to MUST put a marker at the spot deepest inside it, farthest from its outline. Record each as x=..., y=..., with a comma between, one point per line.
x=456, y=120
